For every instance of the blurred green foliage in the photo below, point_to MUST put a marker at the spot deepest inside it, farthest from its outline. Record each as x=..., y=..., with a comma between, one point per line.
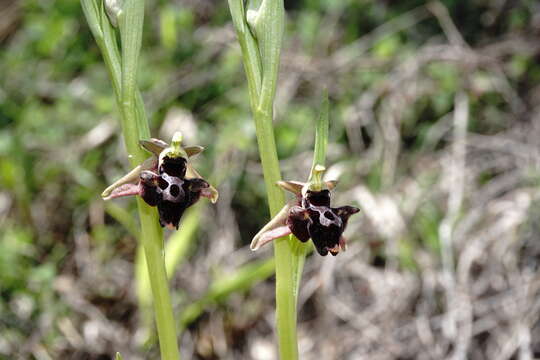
x=56, y=154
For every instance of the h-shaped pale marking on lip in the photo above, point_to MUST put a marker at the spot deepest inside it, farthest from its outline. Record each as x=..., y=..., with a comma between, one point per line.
x=279, y=224
x=159, y=149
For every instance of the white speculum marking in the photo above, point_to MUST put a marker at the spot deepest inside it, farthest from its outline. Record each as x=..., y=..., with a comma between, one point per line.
x=326, y=217
x=173, y=192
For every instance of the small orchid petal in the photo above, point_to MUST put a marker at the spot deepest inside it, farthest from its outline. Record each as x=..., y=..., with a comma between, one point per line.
x=343, y=243
x=293, y=186
x=331, y=184
x=298, y=221
x=270, y=236
x=345, y=212
x=277, y=221
x=210, y=193
x=192, y=173
x=155, y=146
x=130, y=177
x=124, y=190
x=193, y=150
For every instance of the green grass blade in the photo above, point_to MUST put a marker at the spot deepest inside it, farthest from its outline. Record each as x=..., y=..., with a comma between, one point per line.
x=260, y=42
x=122, y=67
x=250, y=50
x=179, y=243
x=241, y=280
x=91, y=12
x=130, y=23
x=124, y=217
x=268, y=24
x=321, y=135
x=176, y=251
x=111, y=53
x=300, y=249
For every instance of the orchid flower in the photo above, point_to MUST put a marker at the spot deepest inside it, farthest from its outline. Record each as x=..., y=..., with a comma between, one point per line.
x=309, y=216
x=166, y=180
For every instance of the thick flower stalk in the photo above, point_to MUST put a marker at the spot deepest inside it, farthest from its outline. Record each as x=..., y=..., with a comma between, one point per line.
x=117, y=28
x=259, y=26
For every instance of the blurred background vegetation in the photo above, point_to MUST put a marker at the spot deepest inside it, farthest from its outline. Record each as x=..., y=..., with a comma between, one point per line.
x=435, y=135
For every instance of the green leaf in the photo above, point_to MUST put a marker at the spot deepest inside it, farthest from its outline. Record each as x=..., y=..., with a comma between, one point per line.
x=92, y=13
x=240, y=280
x=111, y=53
x=321, y=135
x=266, y=20
x=124, y=217
x=176, y=251
x=130, y=23
x=299, y=249
x=122, y=67
x=167, y=27
x=250, y=50
x=105, y=37
x=260, y=34
x=113, y=9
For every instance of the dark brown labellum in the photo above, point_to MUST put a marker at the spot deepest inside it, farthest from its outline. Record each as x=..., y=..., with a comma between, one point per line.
x=298, y=221
x=148, y=191
x=170, y=191
x=314, y=218
x=177, y=197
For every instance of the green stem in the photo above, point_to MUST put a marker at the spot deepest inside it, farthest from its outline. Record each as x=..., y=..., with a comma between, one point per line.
x=122, y=68
x=153, y=249
x=260, y=41
x=176, y=251
x=152, y=241
x=130, y=24
x=285, y=259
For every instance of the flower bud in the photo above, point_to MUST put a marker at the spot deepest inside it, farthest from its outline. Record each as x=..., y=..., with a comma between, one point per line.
x=114, y=10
